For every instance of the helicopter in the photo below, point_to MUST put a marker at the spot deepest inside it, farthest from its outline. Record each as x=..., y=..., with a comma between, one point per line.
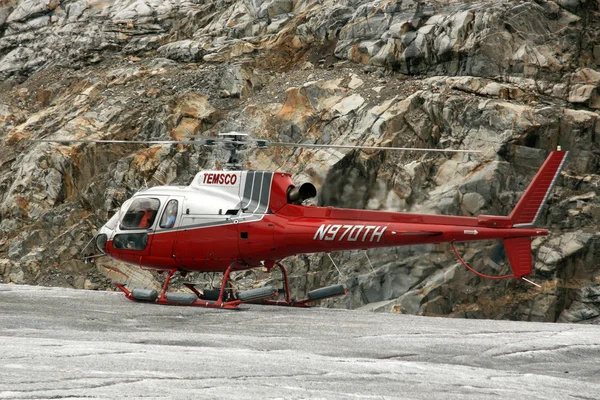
x=232, y=220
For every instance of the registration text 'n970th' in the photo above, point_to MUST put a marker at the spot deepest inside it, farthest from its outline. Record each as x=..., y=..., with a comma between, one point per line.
x=350, y=233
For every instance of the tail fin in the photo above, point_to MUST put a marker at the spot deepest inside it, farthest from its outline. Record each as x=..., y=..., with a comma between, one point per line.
x=518, y=251
x=529, y=207
x=527, y=211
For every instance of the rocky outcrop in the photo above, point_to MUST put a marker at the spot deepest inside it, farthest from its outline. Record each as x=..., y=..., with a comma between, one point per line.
x=512, y=79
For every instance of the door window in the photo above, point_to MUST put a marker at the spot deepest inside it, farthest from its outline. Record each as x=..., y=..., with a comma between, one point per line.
x=169, y=215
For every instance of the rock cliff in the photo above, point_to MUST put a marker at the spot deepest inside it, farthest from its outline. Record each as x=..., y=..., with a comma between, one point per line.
x=511, y=78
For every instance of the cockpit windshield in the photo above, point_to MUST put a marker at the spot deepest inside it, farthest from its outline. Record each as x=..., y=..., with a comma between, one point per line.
x=112, y=222
x=141, y=214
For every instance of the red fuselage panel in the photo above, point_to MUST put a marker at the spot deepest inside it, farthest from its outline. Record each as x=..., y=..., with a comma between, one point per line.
x=277, y=236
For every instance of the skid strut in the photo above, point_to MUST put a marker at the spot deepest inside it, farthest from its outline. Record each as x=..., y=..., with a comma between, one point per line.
x=163, y=295
x=318, y=294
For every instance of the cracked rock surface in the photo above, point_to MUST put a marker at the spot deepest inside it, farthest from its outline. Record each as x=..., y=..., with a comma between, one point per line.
x=512, y=79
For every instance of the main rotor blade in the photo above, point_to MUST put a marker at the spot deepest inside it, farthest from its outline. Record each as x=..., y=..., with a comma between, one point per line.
x=260, y=143
x=344, y=146
x=196, y=142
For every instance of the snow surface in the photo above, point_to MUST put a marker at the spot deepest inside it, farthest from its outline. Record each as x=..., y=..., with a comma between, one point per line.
x=62, y=343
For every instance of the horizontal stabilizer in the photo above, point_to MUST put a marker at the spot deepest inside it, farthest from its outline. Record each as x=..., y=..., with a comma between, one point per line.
x=529, y=207
x=518, y=251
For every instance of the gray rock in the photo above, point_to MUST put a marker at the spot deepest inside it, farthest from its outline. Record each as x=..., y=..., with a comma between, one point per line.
x=486, y=182
x=585, y=308
x=185, y=51
x=473, y=203
x=5, y=11
x=488, y=76
x=273, y=8
x=586, y=94
x=242, y=81
x=32, y=8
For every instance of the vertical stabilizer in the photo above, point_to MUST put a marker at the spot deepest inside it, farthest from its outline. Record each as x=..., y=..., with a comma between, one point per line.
x=518, y=251
x=530, y=206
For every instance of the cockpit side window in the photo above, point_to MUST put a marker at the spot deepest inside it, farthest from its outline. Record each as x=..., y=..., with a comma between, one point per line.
x=131, y=241
x=141, y=214
x=169, y=215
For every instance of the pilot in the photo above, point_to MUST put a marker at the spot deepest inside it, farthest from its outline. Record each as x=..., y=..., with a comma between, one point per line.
x=172, y=215
x=146, y=219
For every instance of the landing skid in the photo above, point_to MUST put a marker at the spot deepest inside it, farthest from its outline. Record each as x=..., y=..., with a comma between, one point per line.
x=318, y=294
x=226, y=298
x=153, y=298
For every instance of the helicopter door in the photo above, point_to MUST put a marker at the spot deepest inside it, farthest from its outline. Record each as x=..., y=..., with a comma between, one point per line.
x=165, y=231
x=207, y=233
x=133, y=235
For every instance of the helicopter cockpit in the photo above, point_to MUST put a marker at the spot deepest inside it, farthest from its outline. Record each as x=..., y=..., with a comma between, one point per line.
x=138, y=217
x=140, y=214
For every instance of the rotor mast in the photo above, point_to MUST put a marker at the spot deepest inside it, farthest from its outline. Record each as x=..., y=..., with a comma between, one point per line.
x=234, y=142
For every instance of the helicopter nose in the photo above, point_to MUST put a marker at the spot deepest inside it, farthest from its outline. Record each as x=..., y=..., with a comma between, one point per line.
x=101, y=240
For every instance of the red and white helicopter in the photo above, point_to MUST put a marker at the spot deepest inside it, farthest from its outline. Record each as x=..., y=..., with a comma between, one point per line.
x=232, y=220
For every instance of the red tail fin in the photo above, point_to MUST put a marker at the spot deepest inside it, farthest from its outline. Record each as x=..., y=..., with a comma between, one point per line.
x=518, y=251
x=529, y=207
x=528, y=210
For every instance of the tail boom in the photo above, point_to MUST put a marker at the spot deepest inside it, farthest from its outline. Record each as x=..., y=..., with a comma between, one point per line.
x=306, y=230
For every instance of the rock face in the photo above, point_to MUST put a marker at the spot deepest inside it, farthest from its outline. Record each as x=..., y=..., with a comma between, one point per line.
x=511, y=78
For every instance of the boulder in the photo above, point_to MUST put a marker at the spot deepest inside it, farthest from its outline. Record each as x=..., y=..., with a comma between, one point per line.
x=184, y=51
x=585, y=307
